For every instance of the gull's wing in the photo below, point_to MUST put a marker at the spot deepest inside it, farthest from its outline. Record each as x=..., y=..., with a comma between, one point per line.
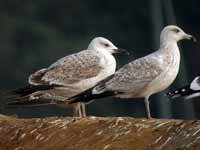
x=136, y=75
x=131, y=78
x=69, y=70
x=40, y=95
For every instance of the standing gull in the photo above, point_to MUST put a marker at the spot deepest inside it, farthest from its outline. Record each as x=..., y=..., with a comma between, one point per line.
x=144, y=76
x=187, y=92
x=69, y=76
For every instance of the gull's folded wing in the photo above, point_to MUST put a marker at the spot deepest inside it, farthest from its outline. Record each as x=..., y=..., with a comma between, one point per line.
x=69, y=70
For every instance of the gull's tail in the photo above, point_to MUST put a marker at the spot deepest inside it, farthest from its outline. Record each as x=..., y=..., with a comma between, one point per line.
x=25, y=101
x=24, y=96
x=29, y=89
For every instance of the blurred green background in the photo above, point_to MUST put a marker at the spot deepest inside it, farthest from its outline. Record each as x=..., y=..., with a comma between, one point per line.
x=34, y=34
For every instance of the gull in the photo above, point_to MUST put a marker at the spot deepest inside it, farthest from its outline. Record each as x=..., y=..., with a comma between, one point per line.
x=187, y=92
x=69, y=76
x=144, y=76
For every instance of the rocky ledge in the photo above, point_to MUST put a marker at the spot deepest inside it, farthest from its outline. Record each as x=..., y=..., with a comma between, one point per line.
x=98, y=133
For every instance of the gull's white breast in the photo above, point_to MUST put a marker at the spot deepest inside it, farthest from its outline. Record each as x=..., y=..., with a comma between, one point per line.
x=171, y=63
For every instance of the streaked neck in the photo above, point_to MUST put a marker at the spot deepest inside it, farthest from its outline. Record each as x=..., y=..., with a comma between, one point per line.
x=164, y=43
x=169, y=46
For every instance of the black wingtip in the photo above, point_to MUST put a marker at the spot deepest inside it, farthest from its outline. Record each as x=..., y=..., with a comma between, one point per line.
x=24, y=102
x=29, y=89
x=87, y=96
x=20, y=92
x=14, y=103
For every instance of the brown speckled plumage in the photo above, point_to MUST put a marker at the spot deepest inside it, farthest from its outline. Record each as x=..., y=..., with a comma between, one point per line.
x=70, y=69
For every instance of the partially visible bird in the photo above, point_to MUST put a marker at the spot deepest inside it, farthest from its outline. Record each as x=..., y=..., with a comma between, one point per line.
x=187, y=92
x=69, y=76
x=144, y=76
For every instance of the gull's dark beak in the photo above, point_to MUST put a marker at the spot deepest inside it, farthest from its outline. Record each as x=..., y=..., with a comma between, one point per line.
x=120, y=50
x=194, y=39
x=190, y=37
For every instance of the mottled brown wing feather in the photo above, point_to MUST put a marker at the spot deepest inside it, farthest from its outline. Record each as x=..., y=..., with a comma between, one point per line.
x=64, y=76
x=69, y=70
x=35, y=78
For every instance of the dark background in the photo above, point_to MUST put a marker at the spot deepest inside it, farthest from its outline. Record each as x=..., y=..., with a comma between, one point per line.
x=34, y=34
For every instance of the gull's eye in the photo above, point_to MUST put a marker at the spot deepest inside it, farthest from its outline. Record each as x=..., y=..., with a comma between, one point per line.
x=176, y=30
x=106, y=45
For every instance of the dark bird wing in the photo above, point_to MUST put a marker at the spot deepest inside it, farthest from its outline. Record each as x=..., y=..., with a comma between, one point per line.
x=29, y=102
x=181, y=92
x=187, y=92
x=20, y=96
x=184, y=92
x=97, y=92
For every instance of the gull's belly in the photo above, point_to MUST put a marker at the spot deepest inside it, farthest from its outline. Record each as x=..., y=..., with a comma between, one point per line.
x=166, y=78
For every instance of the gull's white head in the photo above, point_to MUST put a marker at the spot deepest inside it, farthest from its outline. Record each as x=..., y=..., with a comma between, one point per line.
x=175, y=34
x=103, y=44
x=195, y=85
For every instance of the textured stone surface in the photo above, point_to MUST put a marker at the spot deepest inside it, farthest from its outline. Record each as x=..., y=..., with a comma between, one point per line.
x=96, y=133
